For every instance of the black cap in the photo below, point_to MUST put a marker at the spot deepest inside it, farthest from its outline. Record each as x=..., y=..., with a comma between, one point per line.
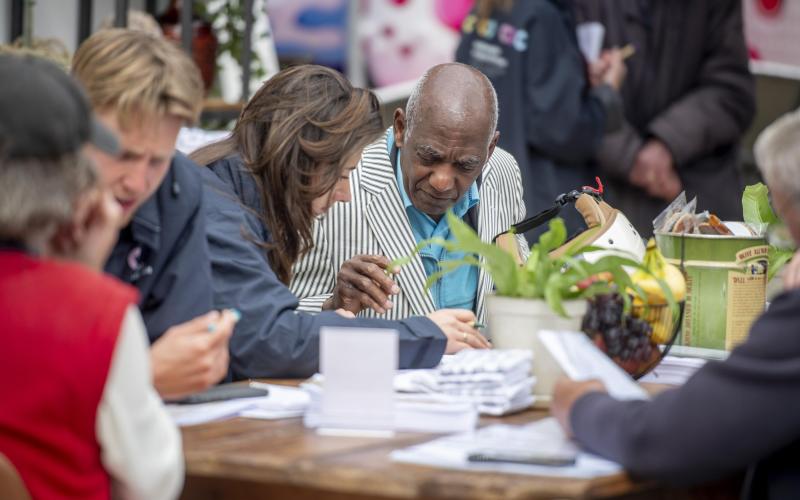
x=44, y=113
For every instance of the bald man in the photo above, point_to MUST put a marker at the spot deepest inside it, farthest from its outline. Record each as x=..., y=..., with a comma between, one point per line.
x=439, y=155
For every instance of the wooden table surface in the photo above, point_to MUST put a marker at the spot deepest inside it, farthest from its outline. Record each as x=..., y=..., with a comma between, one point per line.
x=249, y=459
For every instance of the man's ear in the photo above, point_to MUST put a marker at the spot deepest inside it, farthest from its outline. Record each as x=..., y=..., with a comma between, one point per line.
x=399, y=126
x=493, y=144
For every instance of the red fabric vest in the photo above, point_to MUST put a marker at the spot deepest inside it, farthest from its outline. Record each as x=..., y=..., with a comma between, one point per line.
x=59, y=324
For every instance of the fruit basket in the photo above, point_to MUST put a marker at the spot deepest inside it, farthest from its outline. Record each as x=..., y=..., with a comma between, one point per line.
x=636, y=340
x=666, y=324
x=629, y=338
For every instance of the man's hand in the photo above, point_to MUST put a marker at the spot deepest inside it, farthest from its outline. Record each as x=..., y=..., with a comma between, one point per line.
x=192, y=356
x=93, y=231
x=565, y=393
x=457, y=325
x=791, y=273
x=609, y=69
x=654, y=171
x=362, y=283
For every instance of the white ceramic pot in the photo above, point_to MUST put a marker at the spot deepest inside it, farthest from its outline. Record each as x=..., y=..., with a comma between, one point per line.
x=514, y=323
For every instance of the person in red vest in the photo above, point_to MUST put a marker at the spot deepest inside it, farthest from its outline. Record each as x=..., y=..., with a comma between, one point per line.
x=79, y=416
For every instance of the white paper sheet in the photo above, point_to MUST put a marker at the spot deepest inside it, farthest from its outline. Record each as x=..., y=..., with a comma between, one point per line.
x=673, y=370
x=184, y=415
x=590, y=39
x=582, y=360
x=452, y=452
x=281, y=402
x=358, y=365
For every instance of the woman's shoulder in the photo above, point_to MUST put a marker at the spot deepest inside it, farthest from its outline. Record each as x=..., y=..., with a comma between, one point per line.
x=237, y=177
x=232, y=200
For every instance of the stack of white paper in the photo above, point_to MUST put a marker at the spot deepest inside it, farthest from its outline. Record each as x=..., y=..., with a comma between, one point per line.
x=281, y=402
x=184, y=415
x=544, y=436
x=496, y=381
x=412, y=412
x=673, y=370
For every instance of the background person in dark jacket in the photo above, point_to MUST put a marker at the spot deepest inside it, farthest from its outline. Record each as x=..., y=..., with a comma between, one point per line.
x=288, y=160
x=742, y=412
x=551, y=120
x=689, y=97
x=144, y=88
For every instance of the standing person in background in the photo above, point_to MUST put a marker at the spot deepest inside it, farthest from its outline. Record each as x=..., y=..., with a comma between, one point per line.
x=688, y=98
x=79, y=417
x=144, y=88
x=288, y=160
x=552, y=119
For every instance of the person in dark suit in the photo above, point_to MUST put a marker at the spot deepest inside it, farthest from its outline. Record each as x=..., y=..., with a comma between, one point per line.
x=688, y=98
x=552, y=116
x=740, y=413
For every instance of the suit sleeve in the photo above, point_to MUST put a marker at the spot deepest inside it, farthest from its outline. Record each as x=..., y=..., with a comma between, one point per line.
x=565, y=122
x=185, y=286
x=722, y=104
x=273, y=338
x=314, y=275
x=727, y=416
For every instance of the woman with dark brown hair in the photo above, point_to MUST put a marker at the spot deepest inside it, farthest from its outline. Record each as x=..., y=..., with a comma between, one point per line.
x=287, y=161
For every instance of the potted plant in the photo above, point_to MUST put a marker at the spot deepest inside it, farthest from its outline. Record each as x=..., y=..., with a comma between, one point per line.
x=547, y=292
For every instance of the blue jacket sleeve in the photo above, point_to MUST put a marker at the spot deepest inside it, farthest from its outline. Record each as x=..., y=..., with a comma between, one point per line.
x=565, y=121
x=726, y=417
x=183, y=286
x=273, y=339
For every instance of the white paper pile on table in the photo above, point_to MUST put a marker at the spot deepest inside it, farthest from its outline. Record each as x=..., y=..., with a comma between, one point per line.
x=412, y=412
x=496, y=381
x=673, y=370
x=541, y=437
x=281, y=402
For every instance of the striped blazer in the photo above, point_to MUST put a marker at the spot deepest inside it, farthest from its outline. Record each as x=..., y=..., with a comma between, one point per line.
x=375, y=223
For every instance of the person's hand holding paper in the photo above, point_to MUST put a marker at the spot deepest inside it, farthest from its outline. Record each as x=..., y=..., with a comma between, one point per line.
x=566, y=392
x=588, y=369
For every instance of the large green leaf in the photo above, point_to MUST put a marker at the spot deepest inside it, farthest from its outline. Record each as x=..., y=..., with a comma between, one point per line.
x=755, y=205
x=553, y=294
x=756, y=209
x=499, y=263
x=554, y=237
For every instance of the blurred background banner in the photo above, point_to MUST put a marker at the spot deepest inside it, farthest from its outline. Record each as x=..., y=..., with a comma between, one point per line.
x=771, y=27
x=382, y=44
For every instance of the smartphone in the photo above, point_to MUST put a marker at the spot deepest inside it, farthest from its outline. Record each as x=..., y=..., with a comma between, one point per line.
x=223, y=392
x=551, y=459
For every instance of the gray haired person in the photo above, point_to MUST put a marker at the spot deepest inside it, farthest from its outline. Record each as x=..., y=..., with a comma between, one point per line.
x=741, y=413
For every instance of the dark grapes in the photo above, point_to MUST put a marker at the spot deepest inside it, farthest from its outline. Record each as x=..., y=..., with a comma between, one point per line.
x=624, y=337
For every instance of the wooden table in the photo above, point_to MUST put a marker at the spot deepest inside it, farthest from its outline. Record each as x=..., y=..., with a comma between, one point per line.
x=251, y=459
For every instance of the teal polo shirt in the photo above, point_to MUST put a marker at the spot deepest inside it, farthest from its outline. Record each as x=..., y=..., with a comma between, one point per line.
x=458, y=288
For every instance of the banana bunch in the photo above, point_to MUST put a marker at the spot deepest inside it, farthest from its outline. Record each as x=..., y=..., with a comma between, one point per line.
x=660, y=316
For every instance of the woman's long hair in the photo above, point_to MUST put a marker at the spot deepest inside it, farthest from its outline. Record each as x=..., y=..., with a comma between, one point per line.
x=293, y=136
